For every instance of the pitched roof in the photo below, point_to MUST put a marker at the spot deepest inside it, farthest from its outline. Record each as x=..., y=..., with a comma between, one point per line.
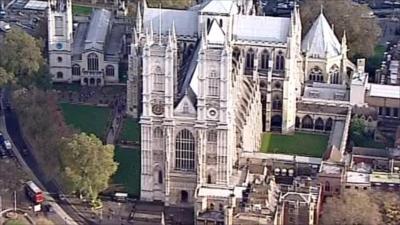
x=216, y=35
x=185, y=21
x=219, y=7
x=98, y=28
x=261, y=28
x=320, y=40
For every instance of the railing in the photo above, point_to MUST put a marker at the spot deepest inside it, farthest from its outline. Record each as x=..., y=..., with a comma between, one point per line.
x=87, y=73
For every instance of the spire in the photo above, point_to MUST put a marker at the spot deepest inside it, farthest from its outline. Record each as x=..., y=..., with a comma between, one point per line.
x=169, y=45
x=322, y=9
x=173, y=30
x=344, y=43
x=151, y=30
x=139, y=18
x=160, y=28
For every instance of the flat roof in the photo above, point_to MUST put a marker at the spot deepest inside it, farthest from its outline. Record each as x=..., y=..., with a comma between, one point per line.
x=36, y=5
x=357, y=178
x=379, y=177
x=384, y=91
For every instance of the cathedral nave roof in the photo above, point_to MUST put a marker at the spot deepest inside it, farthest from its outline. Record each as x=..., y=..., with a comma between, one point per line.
x=261, y=28
x=98, y=29
x=220, y=7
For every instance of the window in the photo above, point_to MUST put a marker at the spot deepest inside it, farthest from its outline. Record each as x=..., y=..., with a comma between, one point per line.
x=209, y=180
x=307, y=122
x=109, y=70
x=236, y=53
x=319, y=124
x=395, y=112
x=380, y=111
x=250, y=59
x=213, y=84
x=158, y=139
x=184, y=152
x=59, y=26
x=316, y=75
x=277, y=102
x=334, y=74
x=76, y=70
x=212, y=141
x=60, y=75
x=328, y=124
x=208, y=23
x=327, y=187
x=387, y=111
x=264, y=60
x=59, y=59
x=184, y=196
x=280, y=61
x=297, y=122
x=158, y=79
x=160, y=177
x=93, y=62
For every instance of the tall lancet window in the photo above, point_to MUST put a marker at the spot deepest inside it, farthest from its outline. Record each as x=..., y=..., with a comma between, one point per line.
x=158, y=140
x=213, y=84
x=212, y=141
x=264, y=60
x=93, y=62
x=250, y=59
x=184, y=151
x=280, y=61
x=334, y=74
x=316, y=75
x=59, y=26
x=158, y=81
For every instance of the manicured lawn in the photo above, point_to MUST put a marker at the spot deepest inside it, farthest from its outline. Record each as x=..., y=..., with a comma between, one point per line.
x=298, y=144
x=81, y=10
x=128, y=173
x=130, y=130
x=88, y=119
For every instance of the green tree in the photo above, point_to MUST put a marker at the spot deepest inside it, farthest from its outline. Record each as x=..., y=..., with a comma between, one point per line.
x=21, y=56
x=5, y=77
x=357, y=126
x=351, y=208
x=362, y=30
x=88, y=164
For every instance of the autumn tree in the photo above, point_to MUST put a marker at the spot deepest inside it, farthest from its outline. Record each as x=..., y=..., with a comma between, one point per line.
x=351, y=208
x=88, y=164
x=20, y=57
x=362, y=30
x=389, y=205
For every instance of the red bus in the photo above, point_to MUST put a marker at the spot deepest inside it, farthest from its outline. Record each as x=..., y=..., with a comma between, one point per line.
x=34, y=192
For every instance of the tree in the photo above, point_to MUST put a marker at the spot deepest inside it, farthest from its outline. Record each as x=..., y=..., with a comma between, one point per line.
x=389, y=204
x=5, y=77
x=351, y=208
x=357, y=126
x=88, y=164
x=362, y=30
x=21, y=55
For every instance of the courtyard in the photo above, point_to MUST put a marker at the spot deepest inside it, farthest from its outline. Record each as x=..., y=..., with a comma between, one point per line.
x=128, y=173
x=88, y=119
x=303, y=144
x=130, y=131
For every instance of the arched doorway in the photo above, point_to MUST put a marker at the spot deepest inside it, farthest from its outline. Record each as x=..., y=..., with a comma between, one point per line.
x=92, y=81
x=328, y=124
x=98, y=81
x=85, y=81
x=184, y=196
x=276, y=121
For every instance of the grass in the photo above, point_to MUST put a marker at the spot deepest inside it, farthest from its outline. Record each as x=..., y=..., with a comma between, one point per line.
x=303, y=144
x=130, y=130
x=374, y=62
x=80, y=10
x=366, y=142
x=88, y=119
x=128, y=173
x=15, y=222
x=174, y=4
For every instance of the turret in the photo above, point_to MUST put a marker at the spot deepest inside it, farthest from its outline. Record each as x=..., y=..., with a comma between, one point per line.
x=139, y=22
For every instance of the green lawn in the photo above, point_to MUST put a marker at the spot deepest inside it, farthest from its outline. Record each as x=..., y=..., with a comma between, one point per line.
x=81, y=10
x=366, y=142
x=374, y=62
x=88, y=119
x=130, y=130
x=128, y=173
x=298, y=144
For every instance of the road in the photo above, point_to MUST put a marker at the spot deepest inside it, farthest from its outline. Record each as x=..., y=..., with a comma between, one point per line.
x=13, y=130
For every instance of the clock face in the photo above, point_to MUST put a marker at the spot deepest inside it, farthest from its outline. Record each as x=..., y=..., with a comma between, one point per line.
x=212, y=113
x=158, y=109
x=59, y=46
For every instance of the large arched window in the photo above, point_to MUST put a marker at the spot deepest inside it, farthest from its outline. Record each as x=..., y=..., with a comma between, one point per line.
x=76, y=70
x=158, y=139
x=213, y=84
x=212, y=141
x=334, y=74
x=264, y=60
x=184, y=150
x=307, y=122
x=110, y=70
x=319, y=124
x=160, y=177
x=250, y=59
x=277, y=102
x=328, y=124
x=93, y=62
x=280, y=61
x=316, y=75
x=158, y=79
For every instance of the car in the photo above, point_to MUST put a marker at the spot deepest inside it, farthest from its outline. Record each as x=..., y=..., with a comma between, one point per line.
x=3, y=153
x=7, y=144
x=48, y=208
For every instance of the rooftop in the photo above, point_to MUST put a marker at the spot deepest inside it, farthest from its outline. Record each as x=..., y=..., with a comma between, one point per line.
x=381, y=177
x=321, y=91
x=357, y=178
x=219, y=7
x=384, y=91
x=270, y=29
x=98, y=29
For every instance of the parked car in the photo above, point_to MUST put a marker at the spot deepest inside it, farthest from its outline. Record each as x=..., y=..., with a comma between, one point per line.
x=3, y=153
x=8, y=147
